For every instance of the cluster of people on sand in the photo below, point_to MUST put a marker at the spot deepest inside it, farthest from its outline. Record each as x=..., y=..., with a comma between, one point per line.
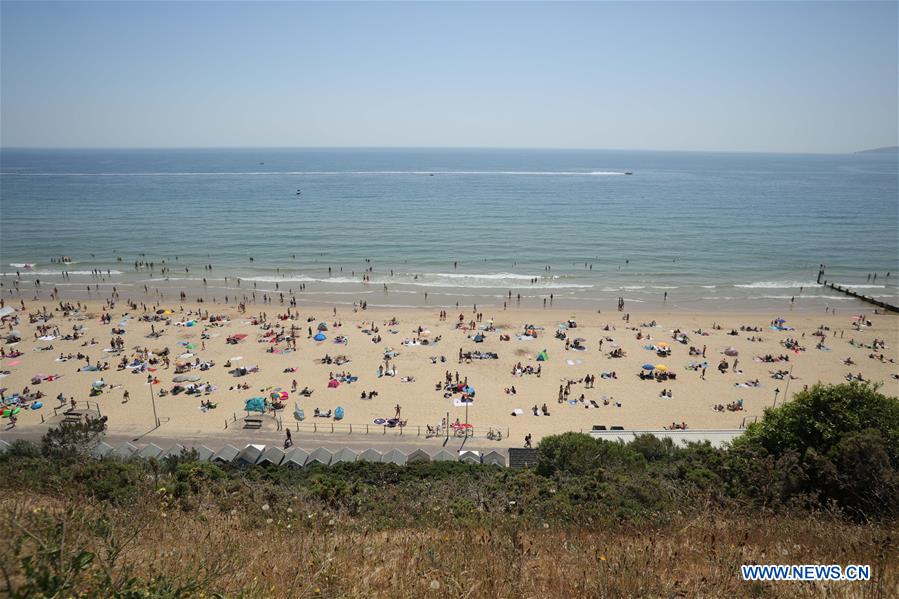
x=749, y=384
x=467, y=357
x=541, y=410
x=676, y=427
x=734, y=406
x=520, y=370
x=771, y=358
x=657, y=375
x=881, y=358
x=792, y=344
x=781, y=375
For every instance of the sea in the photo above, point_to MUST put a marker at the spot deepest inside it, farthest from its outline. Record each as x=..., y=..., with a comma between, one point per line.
x=579, y=229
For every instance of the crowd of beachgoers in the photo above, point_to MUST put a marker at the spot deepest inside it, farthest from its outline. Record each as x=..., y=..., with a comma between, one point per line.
x=516, y=372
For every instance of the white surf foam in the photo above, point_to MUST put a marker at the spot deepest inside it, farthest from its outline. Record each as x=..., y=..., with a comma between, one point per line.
x=778, y=285
x=52, y=273
x=325, y=173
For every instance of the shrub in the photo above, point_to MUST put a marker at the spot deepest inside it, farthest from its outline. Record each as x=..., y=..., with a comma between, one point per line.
x=822, y=416
x=578, y=454
x=836, y=443
x=72, y=441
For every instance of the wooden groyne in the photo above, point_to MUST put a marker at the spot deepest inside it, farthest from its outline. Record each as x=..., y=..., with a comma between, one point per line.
x=855, y=294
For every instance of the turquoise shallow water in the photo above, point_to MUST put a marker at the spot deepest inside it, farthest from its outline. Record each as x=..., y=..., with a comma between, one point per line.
x=711, y=230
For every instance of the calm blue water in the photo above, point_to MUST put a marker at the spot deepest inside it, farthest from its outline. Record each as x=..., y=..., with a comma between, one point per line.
x=713, y=230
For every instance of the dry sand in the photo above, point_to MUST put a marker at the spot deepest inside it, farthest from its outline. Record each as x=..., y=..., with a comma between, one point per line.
x=641, y=406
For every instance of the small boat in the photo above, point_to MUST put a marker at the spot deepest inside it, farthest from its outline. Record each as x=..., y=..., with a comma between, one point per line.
x=628, y=173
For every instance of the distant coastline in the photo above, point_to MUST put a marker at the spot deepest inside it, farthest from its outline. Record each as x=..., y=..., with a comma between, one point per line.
x=884, y=150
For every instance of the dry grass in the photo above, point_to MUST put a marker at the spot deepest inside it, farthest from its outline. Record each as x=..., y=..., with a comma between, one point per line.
x=290, y=551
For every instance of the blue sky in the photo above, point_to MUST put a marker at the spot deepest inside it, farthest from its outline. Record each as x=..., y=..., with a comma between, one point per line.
x=753, y=76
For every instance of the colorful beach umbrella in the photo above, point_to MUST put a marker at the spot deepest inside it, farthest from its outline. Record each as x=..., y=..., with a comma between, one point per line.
x=648, y=367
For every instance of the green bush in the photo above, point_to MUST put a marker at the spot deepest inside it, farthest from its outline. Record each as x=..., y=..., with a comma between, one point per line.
x=820, y=417
x=577, y=454
x=72, y=441
x=834, y=444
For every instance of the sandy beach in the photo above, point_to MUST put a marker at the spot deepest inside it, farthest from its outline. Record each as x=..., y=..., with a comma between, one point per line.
x=619, y=399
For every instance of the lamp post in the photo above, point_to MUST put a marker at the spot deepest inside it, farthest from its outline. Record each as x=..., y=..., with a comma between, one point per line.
x=776, y=391
x=153, y=402
x=789, y=378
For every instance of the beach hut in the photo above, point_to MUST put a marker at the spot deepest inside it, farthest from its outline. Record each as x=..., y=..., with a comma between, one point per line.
x=125, y=451
x=204, y=454
x=320, y=456
x=295, y=458
x=394, y=456
x=469, y=457
x=175, y=450
x=272, y=456
x=443, y=456
x=225, y=455
x=494, y=458
x=419, y=455
x=370, y=455
x=344, y=455
x=250, y=455
x=101, y=450
x=149, y=451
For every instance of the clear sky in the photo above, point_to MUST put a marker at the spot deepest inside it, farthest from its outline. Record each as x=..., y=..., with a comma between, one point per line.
x=752, y=76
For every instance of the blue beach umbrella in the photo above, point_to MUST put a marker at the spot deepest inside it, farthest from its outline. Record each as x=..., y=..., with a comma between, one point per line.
x=319, y=336
x=648, y=367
